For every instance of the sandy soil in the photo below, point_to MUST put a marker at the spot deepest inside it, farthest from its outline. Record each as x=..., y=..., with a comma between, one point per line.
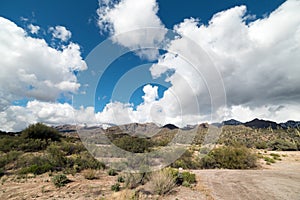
x=280, y=180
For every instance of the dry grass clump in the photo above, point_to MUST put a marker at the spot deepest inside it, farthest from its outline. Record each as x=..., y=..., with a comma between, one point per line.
x=162, y=182
x=90, y=174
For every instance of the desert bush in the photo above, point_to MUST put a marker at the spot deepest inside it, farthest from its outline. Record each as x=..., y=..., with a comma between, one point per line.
x=71, y=148
x=89, y=174
x=9, y=143
x=275, y=156
x=133, y=180
x=115, y=187
x=208, y=162
x=56, y=157
x=162, y=182
x=121, y=179
x=86, y=161
x=186, y=161
x=261, y=145
x=133, y=144
x=188, y=177
x=36, y=169
x=27, y=160
x=112, y=172
x=126, y=194
x=229, y=158
x=182, y=178
x=32, y=145
x=36, y=164
x=9, y=157
x=41, y=131
x=269, y=160
x=283, y=145
x=60, y=180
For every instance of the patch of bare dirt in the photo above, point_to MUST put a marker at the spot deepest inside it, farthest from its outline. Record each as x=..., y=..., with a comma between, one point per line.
x=41, y=187
x=280, y=180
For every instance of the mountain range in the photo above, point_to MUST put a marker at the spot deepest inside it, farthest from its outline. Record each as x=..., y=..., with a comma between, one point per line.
x=151, y=128
x=260, y=123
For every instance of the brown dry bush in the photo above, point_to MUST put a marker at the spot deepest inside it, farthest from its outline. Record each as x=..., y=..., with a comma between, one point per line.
x=162, y=182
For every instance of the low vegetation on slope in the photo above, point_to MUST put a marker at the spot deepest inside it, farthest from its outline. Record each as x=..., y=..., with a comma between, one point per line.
x=39, y=149
x=272, y=139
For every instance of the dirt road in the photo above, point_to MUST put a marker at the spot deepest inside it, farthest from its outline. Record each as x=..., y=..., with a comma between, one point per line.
x=281, y=180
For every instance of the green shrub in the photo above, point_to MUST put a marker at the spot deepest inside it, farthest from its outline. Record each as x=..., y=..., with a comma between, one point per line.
x=186, y=161
x=182, y=178
x=41, y=131
x=8, y=143
x=32, y=145
x=133, y=144
x=115, y=187
x=71, y=148
x=60, y=180
x=27, y=160
x=9, y=157
x=269, y=160
x=261, y=145
x=208, y=162
x=86, y=161
x=56, y=157
x=34, y=164
x=275, y=156
x=229, y=158
x=36, y=169
x=186, y=184
x=112, y=172
x=283, y=145
x=189, y=177
x=121, y=179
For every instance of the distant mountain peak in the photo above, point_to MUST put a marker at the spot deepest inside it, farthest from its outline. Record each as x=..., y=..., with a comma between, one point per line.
x=170, y=126
x=232, y=122
x=260, y=123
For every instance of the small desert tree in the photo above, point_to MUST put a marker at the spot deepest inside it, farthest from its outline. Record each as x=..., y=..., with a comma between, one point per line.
x=40, y=131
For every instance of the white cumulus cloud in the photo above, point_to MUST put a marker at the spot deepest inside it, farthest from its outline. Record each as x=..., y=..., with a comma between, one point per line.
x=132, y=15
x=16, y=118
x=31, y=69
x=34, y=29
x=60, y=32
x=258, y=61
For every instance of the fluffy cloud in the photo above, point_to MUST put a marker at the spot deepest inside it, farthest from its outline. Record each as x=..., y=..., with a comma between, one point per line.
x=268, y=112
x=16, y=118
x=132, y=15
x=31, y=69
x=258, y=61
x=60, y=32
x=151, y=110
x=33, y=29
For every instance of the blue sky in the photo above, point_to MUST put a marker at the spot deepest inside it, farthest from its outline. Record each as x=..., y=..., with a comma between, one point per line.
x=81, y=17
x=124, y=83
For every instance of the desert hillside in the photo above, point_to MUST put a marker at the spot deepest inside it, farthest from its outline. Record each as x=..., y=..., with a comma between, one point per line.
x=42, y=162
